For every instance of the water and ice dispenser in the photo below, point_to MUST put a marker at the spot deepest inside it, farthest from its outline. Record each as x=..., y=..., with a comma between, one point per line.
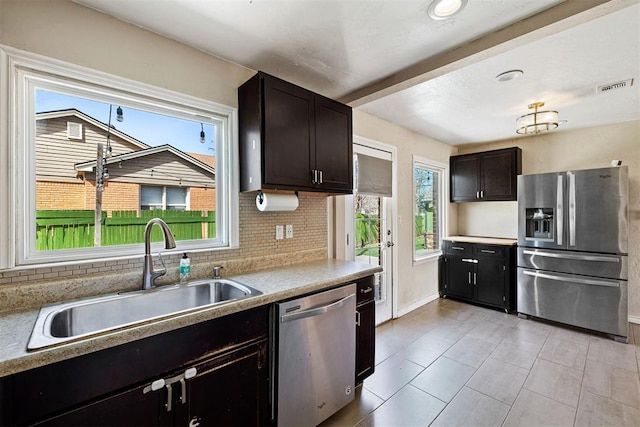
x=540, y=224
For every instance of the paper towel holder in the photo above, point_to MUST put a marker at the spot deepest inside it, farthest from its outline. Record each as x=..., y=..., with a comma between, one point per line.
x=261, y=195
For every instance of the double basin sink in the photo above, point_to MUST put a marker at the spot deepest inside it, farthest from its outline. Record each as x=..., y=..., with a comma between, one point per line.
x=61, y=323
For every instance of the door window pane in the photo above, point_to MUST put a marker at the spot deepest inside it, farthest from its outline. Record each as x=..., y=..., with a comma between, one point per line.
x=367, y=243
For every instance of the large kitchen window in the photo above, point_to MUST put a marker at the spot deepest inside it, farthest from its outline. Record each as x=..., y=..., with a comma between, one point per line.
x=87, y=158
x=428, y=207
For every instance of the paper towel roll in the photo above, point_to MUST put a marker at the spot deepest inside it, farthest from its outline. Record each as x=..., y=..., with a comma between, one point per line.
x=271, y=202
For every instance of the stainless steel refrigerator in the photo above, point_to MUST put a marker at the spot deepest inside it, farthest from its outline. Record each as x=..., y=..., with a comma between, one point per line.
x=572, y=248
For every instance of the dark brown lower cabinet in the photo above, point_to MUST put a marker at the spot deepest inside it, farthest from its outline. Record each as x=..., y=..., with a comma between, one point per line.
x=479, y=273
x=226, y=390
x=366, y=329
x=212, y=373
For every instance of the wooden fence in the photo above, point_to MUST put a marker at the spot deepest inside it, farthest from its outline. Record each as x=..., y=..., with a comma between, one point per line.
x=75, y=228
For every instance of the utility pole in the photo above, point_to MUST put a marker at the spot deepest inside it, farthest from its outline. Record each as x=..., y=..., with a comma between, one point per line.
x=97, y=235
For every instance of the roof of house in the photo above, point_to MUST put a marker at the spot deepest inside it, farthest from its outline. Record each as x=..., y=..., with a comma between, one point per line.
x=90, y=165
x=77, y=113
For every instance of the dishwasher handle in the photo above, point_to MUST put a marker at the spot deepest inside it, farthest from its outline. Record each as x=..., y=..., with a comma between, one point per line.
x=316, y=311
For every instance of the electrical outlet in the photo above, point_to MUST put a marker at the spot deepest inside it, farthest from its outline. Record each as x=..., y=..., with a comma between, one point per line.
x=289, y=231
x=279, y=232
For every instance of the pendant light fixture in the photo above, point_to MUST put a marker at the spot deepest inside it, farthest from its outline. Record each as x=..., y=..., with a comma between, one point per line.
x=538, y=121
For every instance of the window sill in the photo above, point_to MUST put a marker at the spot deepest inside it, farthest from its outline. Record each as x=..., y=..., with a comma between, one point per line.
x=428, y=258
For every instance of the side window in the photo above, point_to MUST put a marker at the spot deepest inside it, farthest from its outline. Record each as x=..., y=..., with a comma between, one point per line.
x=95, y=158
x=429, y=207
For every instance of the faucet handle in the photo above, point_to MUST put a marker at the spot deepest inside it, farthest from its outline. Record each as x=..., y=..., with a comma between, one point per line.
x=216, y=271
x=164, y=267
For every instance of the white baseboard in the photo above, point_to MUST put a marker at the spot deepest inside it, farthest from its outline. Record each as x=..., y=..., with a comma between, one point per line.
x=418, y=304
x=634, y=319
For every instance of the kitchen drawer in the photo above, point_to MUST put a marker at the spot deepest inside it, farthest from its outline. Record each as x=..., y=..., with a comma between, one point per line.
x=458, y=247
x=366, y=289
x=489, y=250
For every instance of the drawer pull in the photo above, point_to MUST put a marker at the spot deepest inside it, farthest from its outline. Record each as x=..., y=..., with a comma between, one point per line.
x=457, y=248
x=366, y=290
x=486, y=251
x=471, y=260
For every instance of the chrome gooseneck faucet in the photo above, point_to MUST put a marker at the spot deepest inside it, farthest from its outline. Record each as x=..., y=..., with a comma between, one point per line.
x=149, y=275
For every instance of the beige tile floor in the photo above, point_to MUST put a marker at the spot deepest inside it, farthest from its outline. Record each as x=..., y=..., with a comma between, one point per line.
x=450, y=363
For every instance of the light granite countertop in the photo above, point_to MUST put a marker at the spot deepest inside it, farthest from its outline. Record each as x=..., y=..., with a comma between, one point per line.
x=276, y=284
x=486, y=240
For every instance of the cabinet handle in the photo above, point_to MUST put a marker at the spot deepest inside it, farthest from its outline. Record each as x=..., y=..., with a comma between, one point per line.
x=169, y=397
x=486, y=251
x=357, y=318
x=477, y=194
x=457, y=248
x=183, y=395
x=474, y=278
x=482, y=194
x=469, y=278
x=320, y=177
x=314, y=178
x=366, y=290
x=471, y=260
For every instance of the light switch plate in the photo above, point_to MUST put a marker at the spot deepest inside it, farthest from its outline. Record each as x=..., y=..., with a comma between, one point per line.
x=279, y=232
x=289, y=231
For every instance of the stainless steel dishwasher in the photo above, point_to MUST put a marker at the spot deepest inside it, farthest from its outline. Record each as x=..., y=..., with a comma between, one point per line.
x=316, y=348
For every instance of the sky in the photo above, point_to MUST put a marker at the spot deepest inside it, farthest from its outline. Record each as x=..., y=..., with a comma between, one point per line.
x=151, y=128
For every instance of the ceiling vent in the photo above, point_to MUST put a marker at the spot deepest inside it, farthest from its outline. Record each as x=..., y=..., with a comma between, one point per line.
x=614, y=86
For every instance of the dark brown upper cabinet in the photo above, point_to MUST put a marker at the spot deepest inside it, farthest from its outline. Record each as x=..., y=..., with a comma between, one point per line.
x=293, y=139
x=486, y=176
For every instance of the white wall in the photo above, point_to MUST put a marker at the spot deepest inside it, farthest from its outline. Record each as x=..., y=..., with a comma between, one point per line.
x=420, y=281
x=556, y=151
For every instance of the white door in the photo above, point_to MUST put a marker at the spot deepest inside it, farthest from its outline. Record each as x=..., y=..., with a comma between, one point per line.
x=372, y=230
x=373, y=244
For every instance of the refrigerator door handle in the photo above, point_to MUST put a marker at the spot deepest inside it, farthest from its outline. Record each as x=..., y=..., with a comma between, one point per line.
x=573, y=279
x=572, y=257
x=559, y=209
x=572, y=208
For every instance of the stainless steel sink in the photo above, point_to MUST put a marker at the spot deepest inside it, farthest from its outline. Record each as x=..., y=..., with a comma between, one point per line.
x=60, y=323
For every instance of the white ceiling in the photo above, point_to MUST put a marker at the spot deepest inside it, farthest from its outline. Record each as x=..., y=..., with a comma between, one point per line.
x=391, y=60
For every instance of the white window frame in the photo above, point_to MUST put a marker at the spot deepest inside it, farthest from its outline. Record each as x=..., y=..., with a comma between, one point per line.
x=442, y=169
x=20, y=73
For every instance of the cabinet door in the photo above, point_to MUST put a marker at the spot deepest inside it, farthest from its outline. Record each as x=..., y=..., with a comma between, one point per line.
x=289, y=135
x=465, y=176
x=365, y=340
x=130, y=408
x=229, y=390
x=490, y=281
x=459, y=277
x=499, y=175
x=334, y=145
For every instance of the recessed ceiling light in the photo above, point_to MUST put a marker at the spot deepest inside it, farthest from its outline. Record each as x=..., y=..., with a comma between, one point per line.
x=445, y=9
x=507, y=76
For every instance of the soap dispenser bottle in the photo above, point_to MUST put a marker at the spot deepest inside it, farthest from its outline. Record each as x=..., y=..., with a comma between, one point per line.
x=185, y=268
